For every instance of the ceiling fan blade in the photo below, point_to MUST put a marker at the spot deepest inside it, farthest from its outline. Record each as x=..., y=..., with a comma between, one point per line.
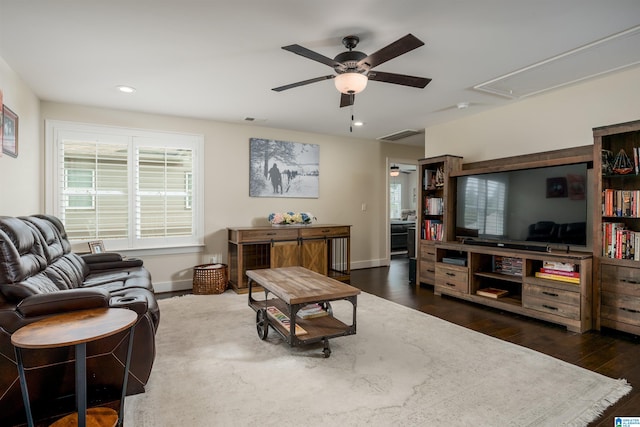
x=347, y=99
x=302, y=83
x=398, y=79
x=307, y=53
x=395, y=49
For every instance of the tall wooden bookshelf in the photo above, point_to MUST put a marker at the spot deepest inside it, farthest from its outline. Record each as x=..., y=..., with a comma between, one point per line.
x=616, y=224
x=436, y=211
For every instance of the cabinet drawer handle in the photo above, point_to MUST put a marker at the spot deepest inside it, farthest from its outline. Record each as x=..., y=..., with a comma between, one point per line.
x=630, y=310
x=550, y=307
x=551, y=294
x=450, y=274
x=633, y=282
x=272, y=234
x=326, y=231
x=430, y=270
x=450, y=284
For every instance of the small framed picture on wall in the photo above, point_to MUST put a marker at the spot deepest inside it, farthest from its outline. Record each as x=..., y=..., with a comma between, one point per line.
x=9, y=132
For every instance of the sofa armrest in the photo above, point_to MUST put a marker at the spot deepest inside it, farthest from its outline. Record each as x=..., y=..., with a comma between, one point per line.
x=63, y=301
x=110, y=261
x=132, y=302
x=103, y=257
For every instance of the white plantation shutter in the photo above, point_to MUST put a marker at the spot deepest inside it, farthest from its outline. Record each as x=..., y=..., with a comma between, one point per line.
x=129, y=188
x=163, y=198
x=97, y=207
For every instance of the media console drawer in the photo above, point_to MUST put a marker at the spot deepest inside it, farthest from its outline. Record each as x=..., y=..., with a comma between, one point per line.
x=427, y=271
x=452, y=278
x=551, y=300
x=619, y=279
x=619, y=308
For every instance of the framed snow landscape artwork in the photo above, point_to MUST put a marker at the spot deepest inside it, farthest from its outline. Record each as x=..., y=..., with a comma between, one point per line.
x=283, y=169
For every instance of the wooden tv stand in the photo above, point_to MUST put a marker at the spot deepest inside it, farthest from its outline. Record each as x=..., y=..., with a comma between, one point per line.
x=461, y=270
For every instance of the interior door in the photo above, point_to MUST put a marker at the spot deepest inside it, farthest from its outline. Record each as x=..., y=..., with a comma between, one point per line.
x=285, y=254
x=314, y=255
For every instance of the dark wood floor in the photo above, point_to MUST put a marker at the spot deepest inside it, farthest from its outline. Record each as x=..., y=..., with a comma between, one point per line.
x=611, y=353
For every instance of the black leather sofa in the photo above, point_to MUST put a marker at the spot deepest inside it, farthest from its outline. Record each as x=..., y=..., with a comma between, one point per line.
x=39, y=277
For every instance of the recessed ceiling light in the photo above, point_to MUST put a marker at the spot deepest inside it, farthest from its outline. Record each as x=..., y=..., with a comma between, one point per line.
x=126, y=89
x=358, y=123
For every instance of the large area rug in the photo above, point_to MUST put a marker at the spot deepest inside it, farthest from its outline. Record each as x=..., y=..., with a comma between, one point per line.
x=403, y=367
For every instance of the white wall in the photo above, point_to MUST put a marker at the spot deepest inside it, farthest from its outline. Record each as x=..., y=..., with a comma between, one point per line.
x=21, y=177
x=560, y=119
x=352, y=172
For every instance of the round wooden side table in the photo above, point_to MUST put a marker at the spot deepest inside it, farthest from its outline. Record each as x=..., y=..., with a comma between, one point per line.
x=76, y=328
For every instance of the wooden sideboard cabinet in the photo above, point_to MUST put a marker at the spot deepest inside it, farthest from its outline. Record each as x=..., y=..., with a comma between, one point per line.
x=325, y=249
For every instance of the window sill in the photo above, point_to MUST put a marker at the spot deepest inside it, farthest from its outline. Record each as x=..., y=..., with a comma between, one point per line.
x=151, y=251
x=168, y=250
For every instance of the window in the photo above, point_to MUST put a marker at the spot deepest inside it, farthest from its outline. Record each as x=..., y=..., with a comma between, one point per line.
x=129, y=188
x=395, y=198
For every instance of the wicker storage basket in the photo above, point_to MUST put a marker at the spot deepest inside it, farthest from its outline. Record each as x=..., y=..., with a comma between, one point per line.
x=210, y=279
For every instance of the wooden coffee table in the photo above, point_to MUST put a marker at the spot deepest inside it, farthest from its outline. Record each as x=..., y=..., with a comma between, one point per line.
x=76, y=328
x=295, y=288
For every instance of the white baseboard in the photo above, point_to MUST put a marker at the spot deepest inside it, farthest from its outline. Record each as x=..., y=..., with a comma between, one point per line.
x=182, y=285
x=172, y=286
x=357, y=265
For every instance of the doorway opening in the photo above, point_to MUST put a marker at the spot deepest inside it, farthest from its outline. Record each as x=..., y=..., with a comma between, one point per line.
x=402, y=196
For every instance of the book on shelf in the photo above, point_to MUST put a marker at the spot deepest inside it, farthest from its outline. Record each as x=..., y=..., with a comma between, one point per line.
x=560, y=272
x=507, y=265
x=311, y=311
x=621, y=203
x=432, y=229
x=433, y=206
x=492, y=292
x=283, y=320
x=619, y=242
x=549, y=276
x=556, y=265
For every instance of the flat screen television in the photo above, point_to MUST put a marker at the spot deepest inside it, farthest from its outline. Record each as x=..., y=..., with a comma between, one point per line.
x=544, y=206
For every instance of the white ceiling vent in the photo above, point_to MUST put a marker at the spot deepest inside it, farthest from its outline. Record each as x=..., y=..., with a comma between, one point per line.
x=612, y=53
x=399, y=135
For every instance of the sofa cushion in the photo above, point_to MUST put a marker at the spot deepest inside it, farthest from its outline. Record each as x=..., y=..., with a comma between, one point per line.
x=59, y=226
x=49, y=236
x=71, y=269
x=38, y=284
x=21, y=252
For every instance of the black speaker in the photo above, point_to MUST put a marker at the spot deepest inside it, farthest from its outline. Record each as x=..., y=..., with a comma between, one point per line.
x=412, y=271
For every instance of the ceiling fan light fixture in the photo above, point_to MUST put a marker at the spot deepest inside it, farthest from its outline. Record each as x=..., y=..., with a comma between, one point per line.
x=394, y=170
x=350, y=82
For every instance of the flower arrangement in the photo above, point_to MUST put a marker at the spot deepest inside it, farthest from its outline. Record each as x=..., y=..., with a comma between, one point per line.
x=291, y=218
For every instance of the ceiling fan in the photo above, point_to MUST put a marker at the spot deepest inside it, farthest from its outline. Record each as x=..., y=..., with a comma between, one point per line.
x=354, y=69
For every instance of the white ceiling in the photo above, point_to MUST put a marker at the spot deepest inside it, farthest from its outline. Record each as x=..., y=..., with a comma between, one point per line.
x=219, y=59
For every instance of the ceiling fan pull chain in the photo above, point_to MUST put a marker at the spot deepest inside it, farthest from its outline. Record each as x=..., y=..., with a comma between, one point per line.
x=351, y=124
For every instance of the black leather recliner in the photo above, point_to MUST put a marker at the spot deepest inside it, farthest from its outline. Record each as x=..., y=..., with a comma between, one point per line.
x=40, y=277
